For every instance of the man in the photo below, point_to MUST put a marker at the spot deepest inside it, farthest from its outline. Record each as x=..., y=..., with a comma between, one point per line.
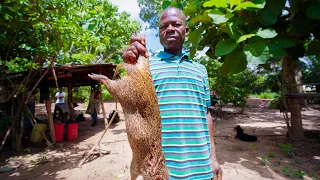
x=183, y=93
x=61, y=109
x=60, y=96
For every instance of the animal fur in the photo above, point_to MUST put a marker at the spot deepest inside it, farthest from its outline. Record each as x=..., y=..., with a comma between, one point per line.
x=137, y=96
x=243, y=136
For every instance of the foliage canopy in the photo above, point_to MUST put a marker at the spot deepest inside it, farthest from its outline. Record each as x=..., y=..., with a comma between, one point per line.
x=80, y=32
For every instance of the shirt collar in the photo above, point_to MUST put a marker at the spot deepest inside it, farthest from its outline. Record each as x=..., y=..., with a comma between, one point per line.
x=167, y=56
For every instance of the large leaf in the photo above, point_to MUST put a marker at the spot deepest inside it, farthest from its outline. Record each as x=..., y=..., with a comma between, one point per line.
x=266, y=17
x=270, y=12
x=201, y=18
x=234, y=62
x=234, y=2
x=247, y=5
x=313, y=47
x=313, y=11
x=193, y=51
x=257, y=52
x=225, y=46
x=216, y=3
x=191, y=8
x=244, y=37
x=266, y=33
x=283, y=42
x=165, y=4
x=219, y=17
x=195, y=36
x=259, y=3
x=276, y=51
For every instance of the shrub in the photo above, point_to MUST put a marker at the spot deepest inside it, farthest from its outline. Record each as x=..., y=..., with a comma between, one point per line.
x=231, y=88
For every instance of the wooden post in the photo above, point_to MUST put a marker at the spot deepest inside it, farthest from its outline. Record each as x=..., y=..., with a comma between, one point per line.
x=72, y=114
x=50, y=118
x=101, y=102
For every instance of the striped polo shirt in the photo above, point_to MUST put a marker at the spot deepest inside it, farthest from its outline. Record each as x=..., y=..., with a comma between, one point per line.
x=183, y=94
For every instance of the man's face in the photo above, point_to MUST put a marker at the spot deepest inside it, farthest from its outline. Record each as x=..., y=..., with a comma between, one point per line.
x=172, y=29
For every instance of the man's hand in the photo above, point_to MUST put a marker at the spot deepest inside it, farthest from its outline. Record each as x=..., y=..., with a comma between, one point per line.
x=216, y=169
x=137, y=46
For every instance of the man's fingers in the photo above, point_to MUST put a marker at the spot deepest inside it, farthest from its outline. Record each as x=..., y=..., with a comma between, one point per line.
x=129, y=57
x=141, y=49
x=134, y=50
x=139, y=38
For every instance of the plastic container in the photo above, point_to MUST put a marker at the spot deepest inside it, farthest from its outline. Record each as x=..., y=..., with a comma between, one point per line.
x=59, y=129
x=72, y=131
x=36, y=135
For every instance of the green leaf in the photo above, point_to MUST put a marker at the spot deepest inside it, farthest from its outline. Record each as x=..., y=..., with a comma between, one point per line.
x=210, y=53
x=276, y=51
x=313, y=47
x=313, y=11
x=201, y=18
x=244, y=37
x=269, y=14
x=283, y=42
x=195, y=36
x=193, y=51
x=259, y=3
x=191, y=8
x=234, y=62
x=246, y=5
x=234, y=2
x=218, y=17
x=216, y=3
x=165, y=4
x=225, y=46
x=257, y=52
x=266, y=17
x=266, y=33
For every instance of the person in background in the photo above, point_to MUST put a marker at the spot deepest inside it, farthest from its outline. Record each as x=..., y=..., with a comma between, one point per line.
x=60, y=95
x=94, y=105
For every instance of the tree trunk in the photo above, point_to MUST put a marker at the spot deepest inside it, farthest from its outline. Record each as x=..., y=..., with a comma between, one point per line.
x=50, y=120
x=290, y=78
x=298, y=78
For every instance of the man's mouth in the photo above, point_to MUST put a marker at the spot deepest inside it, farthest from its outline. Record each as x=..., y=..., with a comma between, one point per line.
x=171, y=38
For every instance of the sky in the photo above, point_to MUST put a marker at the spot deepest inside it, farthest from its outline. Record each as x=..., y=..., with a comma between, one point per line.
x=131, y=6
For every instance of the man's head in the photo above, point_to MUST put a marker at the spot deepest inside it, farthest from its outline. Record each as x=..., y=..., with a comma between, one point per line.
x=172, y=29
x=60, y=89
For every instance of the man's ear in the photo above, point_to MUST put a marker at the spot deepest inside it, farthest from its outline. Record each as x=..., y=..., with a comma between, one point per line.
x=187, y=30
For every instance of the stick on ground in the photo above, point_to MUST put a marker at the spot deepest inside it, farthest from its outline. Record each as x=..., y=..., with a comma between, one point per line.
x=91, y=151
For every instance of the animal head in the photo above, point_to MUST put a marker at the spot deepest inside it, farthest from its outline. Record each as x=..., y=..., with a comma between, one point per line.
x=238, y=129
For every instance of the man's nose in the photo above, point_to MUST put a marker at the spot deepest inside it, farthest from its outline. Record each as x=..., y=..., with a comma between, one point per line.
x=170, y=28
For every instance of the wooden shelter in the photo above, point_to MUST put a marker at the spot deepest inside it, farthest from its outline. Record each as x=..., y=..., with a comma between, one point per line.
x=59, y=76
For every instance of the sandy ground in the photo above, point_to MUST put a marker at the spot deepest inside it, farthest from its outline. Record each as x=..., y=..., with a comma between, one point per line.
x=239, y=160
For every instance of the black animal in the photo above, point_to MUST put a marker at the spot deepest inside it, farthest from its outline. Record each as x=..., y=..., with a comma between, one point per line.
x=243, y=136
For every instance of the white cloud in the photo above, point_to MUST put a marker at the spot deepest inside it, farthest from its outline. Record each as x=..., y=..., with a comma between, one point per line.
x=130, y=6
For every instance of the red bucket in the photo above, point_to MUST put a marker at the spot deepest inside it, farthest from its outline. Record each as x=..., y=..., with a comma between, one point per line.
x=58, y=128
x=72, y=131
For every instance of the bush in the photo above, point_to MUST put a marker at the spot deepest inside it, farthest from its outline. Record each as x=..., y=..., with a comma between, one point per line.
x=106, y=95
x=231, y=88
x=276, y=103
x=265, y=95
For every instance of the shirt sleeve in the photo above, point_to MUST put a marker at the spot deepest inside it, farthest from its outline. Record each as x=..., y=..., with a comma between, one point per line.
x=207, y=89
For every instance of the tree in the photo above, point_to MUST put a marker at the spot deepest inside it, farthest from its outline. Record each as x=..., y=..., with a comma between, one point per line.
x=35, y=34
x=239, y=32
x=232, y=88
x=81, y=32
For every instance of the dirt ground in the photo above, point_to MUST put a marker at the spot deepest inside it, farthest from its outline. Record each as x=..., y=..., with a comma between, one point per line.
x=239, y=160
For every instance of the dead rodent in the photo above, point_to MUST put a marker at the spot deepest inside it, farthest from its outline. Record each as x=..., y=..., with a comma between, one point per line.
x=137, y=96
